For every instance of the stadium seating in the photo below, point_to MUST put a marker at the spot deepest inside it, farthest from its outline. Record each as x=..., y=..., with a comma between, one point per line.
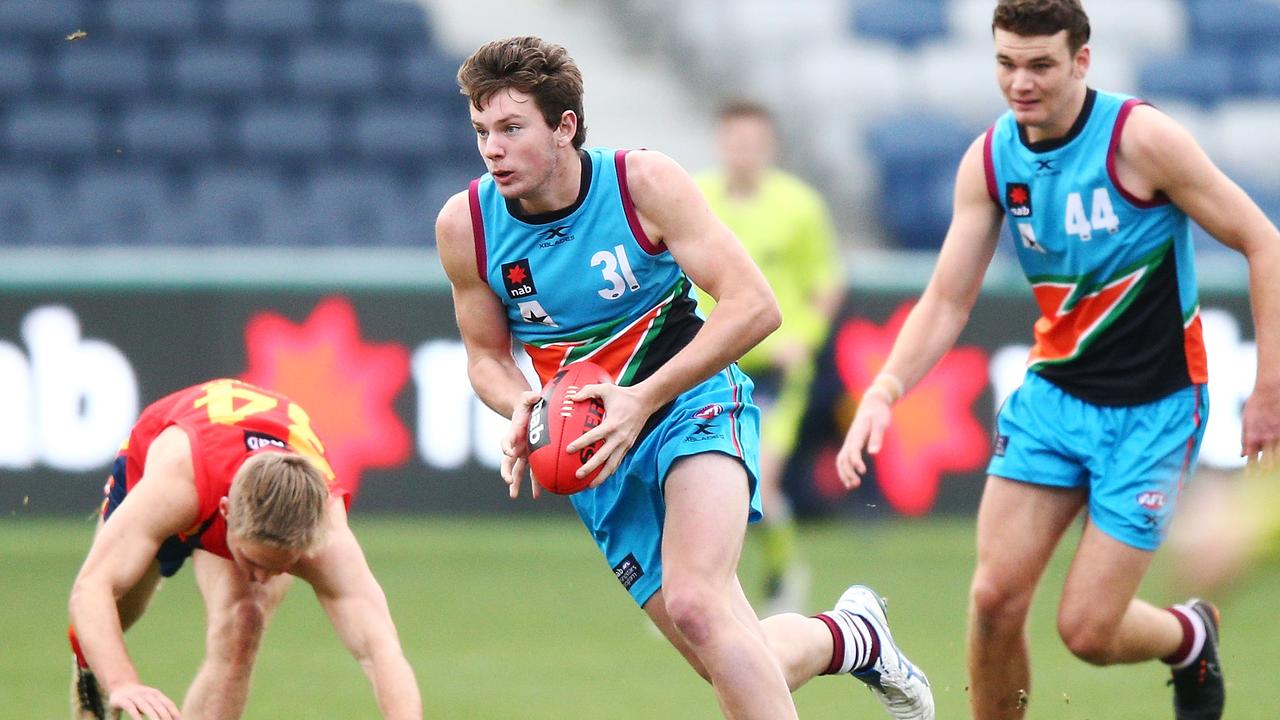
x=147, y=19
x=169, y=132
x=224, y=122
x=65, y=130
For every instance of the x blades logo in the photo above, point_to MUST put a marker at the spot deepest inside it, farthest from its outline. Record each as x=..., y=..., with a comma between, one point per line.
x=553, y=236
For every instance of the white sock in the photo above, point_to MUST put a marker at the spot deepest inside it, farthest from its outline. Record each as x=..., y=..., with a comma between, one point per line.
x=857, y=642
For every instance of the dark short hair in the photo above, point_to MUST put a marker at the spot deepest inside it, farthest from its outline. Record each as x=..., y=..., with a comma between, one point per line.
x=1043, y=17
x=540, y=69
x=743, y=107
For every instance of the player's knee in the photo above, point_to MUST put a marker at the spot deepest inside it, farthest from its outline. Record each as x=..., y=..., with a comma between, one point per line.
x=238, y=630
x=996, y=603
x=691, y=607
x=1086, y=639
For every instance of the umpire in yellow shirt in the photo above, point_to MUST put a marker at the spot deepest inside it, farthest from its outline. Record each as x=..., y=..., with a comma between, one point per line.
x=785, y=226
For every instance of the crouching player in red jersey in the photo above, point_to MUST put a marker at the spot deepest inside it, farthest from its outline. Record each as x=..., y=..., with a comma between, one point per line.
x=234, y=477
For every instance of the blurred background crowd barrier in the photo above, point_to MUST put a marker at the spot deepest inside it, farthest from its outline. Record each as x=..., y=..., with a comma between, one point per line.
x=192, y=188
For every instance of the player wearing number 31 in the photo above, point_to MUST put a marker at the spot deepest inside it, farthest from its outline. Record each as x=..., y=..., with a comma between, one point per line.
x=588, y=254
x=1097, y=189
x=234, y=477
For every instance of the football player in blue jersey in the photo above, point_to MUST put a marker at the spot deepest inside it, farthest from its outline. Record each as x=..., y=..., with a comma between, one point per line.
x=590, y=253
x=1097, y=189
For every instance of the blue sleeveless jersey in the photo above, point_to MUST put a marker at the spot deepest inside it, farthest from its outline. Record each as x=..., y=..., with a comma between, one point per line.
x=585, y=283
x=1113, y=275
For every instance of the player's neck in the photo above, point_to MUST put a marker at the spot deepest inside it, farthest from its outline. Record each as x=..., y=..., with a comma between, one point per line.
x=743, y=186
x=1060, y=126
x=560, y=190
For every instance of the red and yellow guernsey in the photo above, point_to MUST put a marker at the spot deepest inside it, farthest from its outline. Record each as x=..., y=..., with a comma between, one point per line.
x=226, y=421
x=1113, y=274
x=584, y=283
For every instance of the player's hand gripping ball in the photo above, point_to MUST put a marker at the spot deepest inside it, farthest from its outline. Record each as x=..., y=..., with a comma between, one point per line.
x=556, y=420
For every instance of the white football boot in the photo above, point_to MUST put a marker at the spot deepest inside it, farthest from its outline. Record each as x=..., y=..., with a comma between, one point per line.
x=898, y=684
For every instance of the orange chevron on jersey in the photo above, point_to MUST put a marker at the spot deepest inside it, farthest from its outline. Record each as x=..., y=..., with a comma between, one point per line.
x=1193, y=339
x=1069, y=320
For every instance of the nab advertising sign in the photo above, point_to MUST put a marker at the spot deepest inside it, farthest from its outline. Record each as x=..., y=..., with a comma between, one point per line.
x=383, y=377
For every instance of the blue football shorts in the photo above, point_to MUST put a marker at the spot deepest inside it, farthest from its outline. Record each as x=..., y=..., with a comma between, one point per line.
x=1133, y=460
x=173, y=551
x=625, y=514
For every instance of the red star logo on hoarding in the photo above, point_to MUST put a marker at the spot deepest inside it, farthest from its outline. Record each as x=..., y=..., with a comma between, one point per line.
x=933, y=430
x=347, y=386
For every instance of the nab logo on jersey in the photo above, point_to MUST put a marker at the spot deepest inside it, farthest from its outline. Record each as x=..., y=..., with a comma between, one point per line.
x=518, y=278
x=1017, y=196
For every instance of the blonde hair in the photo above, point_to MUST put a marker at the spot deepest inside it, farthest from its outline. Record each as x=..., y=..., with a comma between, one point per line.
x=278, y=499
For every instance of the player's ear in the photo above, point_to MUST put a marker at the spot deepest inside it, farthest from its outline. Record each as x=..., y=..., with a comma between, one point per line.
x=1080, y=63
x=223, y=504
x=567, y=128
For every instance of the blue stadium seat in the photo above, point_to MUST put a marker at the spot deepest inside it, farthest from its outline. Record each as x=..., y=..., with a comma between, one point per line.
x=98, y=69
x=30, y=208
x=433, y=74
x=352, y=208
x=274, y=19
x=1204, y=77
x=917, y=155
x=403, y=22
x=44, y=130
x=42, y=20
x=327, y=70
x=236, y=71
x=238, y=208
x=286, y=132
x=401, y=133
x=1240, y=25
x=17, y=71
x=905, y=22
x=153, y=18
x=1266, y=74
x=169, y=132
x=122, y=207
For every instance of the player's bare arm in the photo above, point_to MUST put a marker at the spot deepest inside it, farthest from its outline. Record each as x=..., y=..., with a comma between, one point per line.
x=936, y=320
x=357, y=607
x=482, y=324
x=163, y=503
x=674, y=213
x=1158, y=155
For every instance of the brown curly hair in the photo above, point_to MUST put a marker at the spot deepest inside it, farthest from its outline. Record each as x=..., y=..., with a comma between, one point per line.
x=540, y=69
x=1043, y=17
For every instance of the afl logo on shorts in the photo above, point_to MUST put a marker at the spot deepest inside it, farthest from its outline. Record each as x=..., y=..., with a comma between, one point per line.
x=1017, y=197
x=1151, y=500
x=709, y=411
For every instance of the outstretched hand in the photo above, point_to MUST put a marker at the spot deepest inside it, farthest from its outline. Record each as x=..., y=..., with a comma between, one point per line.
x=866, y=432
x=1260, y=441
x=140, y=702
x=625, y=413
x=515, y=446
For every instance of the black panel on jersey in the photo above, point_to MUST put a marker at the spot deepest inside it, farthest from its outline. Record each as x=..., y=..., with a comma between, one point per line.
x=1141, y=357
x=681, y=325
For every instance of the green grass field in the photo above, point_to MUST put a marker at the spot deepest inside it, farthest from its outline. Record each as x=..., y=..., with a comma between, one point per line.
x=522, y=619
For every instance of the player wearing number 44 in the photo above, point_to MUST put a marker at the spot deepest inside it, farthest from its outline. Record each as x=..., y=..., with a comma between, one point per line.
x=1097, y=189
x=588, y=254
x=234, y=477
